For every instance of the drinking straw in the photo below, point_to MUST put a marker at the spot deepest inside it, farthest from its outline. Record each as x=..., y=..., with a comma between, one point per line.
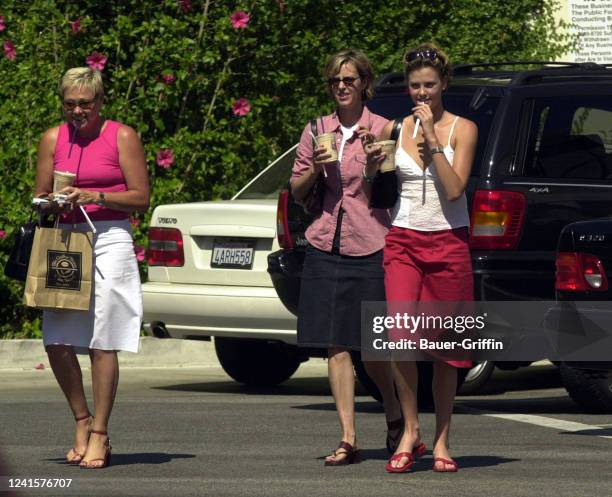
x=76, y=125
x=93, y=228
x=416, y=128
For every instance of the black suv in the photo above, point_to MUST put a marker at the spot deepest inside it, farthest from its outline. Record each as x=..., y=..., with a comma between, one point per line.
x=584, y=274
x=543, y=160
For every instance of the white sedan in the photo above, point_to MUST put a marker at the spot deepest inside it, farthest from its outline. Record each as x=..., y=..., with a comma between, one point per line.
x=208, y=278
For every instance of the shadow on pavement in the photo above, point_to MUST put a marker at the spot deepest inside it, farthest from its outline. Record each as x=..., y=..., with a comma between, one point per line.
x=527, y=405
x=595, y=432
x=425, y=463
x=318, y=386
x=360, y=407
x=137, y=458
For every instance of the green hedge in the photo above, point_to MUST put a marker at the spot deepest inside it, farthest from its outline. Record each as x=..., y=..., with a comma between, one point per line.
x=176, y=70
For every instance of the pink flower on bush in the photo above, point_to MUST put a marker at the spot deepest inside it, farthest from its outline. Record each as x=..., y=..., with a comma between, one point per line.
x=2, y=25
x=96, y=61
x=9, y=50
x=241, y=107
x=185, y=5
x=134, y=221
x=240, y=19
x=169, y=78
x=165, y=158
x=76, y=25
x=2, y=234
x=140, y=253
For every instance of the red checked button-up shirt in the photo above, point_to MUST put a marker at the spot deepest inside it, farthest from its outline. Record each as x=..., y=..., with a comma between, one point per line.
x=363, y=229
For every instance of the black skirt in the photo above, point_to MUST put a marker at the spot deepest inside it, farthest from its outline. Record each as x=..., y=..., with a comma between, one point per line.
x=332, y=289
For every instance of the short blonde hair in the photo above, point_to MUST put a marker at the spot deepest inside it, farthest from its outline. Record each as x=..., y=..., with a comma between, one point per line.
x=361, y=63
x=82, y=77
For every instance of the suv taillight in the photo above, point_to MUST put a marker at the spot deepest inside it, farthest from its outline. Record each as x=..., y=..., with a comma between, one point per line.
x=282, y=223
x=165, y=247
x=497, y=219
x=580, y=272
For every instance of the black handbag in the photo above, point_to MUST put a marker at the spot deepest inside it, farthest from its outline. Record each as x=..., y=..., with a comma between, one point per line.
x=17, y=264
x=19, y=258
x=385, y=188
x=313, y=202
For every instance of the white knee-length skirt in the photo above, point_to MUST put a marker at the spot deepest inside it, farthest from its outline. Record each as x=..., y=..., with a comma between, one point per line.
x=115, y=313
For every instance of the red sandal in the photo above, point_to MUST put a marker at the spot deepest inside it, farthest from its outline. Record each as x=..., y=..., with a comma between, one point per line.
x=454, y=469
x=397, y=457
x=417, y=451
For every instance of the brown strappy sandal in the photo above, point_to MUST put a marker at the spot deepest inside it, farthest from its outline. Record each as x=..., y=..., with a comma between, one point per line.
x=107, y=454
x=351, y=455
x=79, y=456
x=395, y=430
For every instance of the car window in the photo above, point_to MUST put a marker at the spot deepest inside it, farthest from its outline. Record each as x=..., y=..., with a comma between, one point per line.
x=482, y=112
x=269, y=183
x=570, y=138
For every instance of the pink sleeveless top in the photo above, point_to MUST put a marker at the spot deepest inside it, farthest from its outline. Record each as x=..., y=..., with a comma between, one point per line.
x=96, y=165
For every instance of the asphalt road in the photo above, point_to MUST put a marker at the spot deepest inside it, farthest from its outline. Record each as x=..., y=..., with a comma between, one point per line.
x=193, y=431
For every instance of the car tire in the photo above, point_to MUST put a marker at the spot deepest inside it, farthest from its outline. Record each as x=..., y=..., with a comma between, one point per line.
x=254, y=362
x=591, y=389
x=425, y=395
x=477, y=377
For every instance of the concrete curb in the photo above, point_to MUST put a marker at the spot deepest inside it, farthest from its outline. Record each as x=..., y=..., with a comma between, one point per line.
x=154, y=352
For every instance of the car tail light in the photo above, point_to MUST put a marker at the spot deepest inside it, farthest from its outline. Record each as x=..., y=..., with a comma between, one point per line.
x=165, y=247
x=580, y=272
x=282, y=223
x=497, y=219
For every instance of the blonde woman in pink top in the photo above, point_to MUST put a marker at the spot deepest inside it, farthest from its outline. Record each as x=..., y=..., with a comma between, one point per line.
x=111, y=181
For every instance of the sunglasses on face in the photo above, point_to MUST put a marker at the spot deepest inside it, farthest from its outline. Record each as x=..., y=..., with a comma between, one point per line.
x=428, y=54
x=347, y=80
x=70, y=105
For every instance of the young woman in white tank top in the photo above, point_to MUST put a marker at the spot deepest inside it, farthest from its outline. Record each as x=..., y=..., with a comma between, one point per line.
x=426, y=255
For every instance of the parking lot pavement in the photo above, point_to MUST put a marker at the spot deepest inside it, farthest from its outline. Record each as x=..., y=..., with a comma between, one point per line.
x=193, y=431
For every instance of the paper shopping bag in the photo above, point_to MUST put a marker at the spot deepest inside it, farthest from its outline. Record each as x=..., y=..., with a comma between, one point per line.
x=60, y=273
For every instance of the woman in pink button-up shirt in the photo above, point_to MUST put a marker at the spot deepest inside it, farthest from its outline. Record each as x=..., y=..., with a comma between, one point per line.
x=343, y=264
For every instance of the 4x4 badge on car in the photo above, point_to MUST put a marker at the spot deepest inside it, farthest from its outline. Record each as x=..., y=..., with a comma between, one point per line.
x=539, y=190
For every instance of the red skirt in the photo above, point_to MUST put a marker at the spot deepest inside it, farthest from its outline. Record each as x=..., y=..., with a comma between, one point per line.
x=428, y=266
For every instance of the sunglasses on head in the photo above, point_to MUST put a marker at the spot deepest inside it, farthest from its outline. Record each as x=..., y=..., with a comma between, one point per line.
x=428, y=54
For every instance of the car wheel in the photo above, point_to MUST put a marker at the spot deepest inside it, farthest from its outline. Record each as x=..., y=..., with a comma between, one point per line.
x=477, y=377
x=257, y=362
x=591, y=389
x=425, y=396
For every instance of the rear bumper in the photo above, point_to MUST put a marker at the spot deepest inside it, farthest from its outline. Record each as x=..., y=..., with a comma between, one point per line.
x=191, y=311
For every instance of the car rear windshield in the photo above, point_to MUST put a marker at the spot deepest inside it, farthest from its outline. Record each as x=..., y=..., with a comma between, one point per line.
x=269, y=183
x=460, y=101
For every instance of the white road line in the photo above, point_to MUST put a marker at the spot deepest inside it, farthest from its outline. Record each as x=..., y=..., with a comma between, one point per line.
x=557, y=424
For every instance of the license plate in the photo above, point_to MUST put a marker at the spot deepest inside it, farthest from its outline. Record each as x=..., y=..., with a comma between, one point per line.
x=233, y=254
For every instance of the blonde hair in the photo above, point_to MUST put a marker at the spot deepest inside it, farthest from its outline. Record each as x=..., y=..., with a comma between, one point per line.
x=427, y=55
x=361, y=63
x=82, y=77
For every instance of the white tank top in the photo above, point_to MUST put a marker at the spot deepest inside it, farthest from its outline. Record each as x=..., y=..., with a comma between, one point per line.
x=422, y=204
